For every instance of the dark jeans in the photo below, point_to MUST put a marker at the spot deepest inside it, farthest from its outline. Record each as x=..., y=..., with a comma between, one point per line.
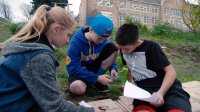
x=175, y=98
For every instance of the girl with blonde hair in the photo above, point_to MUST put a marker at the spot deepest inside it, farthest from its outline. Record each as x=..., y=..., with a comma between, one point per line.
x=28, y=65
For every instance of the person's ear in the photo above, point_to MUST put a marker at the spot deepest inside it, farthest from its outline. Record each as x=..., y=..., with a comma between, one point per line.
x=138, y=42
x=55, y=28
x=90, y=30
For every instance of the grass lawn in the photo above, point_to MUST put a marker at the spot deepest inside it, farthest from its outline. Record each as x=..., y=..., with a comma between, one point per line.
x=183, y=51
x=4, y=32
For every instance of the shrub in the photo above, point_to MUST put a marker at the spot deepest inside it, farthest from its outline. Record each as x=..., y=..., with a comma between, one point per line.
x=143, y=28
x=165, y=29
x=15, y=27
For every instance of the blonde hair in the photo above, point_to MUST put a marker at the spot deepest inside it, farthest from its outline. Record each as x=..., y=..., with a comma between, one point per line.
x=41, y=21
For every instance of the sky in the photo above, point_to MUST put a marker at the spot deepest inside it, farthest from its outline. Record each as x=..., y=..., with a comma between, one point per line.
x=17, y=13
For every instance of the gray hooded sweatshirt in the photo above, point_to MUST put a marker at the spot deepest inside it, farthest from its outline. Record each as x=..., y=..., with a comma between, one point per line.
x=39, y=76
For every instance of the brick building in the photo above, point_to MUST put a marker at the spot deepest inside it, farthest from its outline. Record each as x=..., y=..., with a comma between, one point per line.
x=147, y=11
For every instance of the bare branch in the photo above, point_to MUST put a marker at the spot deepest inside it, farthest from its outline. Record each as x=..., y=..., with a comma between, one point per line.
x=191, y=16
x=5, y=10
x=26, y=10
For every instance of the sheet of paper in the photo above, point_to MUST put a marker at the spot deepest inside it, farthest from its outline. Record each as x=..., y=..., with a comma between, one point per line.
x=132, y=91
x=83, y=103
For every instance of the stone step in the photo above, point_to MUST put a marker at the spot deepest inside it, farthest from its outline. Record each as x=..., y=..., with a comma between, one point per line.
x=124, y=104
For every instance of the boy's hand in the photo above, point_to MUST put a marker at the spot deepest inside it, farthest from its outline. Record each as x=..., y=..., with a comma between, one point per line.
x=104, y=79
x=113, y=78
x=160, y=100
x=114, y=73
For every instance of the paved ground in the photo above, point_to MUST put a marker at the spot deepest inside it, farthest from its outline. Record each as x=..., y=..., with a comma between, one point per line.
x=124, y=104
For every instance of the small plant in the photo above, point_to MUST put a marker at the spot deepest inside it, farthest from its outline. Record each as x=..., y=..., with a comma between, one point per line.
x=165, y=28
x=143, y=28
x=15, y=27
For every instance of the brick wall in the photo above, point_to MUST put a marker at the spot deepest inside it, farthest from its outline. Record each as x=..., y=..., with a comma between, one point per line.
x=148, y=12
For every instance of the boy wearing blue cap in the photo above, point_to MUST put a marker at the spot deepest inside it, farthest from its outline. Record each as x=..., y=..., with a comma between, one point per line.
x=90, y=54
x=149, y=67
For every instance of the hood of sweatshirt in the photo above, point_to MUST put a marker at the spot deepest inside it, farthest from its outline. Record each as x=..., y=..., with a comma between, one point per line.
x=16, y=47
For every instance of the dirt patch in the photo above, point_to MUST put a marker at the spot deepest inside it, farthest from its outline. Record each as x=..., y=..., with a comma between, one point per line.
x=192, y=52
x=90, y=95
x=4, y=32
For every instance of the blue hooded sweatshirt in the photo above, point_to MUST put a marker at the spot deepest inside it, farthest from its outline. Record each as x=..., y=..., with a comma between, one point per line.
x=78, y=55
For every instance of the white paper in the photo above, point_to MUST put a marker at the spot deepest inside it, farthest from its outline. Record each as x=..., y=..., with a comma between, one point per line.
x=135, y=92
x=83, y=103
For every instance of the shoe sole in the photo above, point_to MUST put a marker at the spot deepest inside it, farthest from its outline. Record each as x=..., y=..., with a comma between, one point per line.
x=105, y=91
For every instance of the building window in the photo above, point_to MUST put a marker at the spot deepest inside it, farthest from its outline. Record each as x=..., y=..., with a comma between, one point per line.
x=108, y=14
x=175, y=12
x=144, y=7
x=179, y=23
x=135, y=18
x=122, y=4
x=122, y=16
x=145, y=19
x=180, y=12
x=155, y=9
x=154, y=20
x=135, y=5
x=108, y=3
x=166, y=10
x=166, y=21
x=187, y=14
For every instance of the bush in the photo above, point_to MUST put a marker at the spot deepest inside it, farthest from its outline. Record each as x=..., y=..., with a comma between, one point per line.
x=60, y=53
x=77, y=27
x=15, y=27
x=165, y=29
x=143, y=28
x=4, y=26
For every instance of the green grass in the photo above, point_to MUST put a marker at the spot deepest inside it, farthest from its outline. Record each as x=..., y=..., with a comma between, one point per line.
x=183, y=51
x=4, y=37
x=4, y=32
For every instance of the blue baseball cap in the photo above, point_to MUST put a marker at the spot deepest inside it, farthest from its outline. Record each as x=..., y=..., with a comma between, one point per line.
x=101, y=25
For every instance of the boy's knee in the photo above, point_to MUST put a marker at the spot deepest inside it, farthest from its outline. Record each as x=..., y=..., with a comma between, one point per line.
x=78, y=87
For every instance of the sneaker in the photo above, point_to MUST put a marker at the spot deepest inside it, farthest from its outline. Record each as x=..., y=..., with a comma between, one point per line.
x=121, y=88
x=102, y=88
